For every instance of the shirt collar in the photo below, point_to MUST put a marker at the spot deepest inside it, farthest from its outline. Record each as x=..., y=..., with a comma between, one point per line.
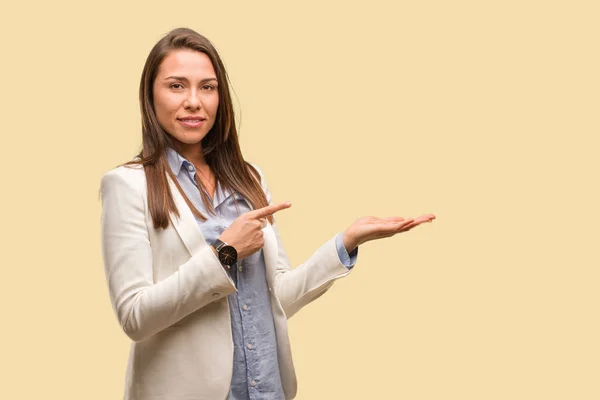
x=176, y=160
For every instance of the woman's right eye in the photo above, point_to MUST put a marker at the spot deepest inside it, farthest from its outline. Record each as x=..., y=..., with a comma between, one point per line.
x=175, y=84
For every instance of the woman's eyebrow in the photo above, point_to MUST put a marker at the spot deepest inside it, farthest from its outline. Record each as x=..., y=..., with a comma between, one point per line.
x=182, y=78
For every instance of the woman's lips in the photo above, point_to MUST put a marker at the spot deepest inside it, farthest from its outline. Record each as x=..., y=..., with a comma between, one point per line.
x=189, y=123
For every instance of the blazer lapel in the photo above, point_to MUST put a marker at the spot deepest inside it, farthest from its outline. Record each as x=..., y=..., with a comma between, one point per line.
x=270, y=253
x=186, y=225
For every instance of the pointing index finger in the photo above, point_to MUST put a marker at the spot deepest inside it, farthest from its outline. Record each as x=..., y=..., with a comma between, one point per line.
x=269, y=210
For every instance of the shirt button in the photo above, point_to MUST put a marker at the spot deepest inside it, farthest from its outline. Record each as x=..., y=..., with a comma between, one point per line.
x=250, y=346
x=215, y=295
x=240, y=267
x=253, y=383
x=245, y=307
x=191, y=168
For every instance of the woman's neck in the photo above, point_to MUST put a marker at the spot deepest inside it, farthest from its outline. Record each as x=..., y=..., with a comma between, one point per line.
x=193, y=153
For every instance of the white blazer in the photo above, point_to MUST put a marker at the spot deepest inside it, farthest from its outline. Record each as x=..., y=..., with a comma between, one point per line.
x=169, y=293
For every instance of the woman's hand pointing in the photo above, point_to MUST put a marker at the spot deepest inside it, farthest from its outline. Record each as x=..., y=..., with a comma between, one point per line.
x=245, y=233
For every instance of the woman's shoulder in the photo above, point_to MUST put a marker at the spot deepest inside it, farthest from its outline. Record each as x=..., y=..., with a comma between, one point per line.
x=131, y=171
x=257, y=172
x=255, y=169
x=132, y=175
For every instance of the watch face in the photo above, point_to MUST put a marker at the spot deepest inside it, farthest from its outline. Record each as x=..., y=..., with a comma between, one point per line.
x=228, y=255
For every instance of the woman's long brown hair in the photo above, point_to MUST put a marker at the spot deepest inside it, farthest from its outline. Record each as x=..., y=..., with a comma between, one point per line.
x=220, y=145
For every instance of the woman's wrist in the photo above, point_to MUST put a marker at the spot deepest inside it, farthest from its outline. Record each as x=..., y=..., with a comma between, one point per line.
x=350, y=243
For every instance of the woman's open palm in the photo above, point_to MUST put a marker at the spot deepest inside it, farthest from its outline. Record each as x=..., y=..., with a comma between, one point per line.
x=370, y=228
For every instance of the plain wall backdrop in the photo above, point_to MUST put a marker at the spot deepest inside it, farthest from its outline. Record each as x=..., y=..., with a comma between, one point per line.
x=484, y=113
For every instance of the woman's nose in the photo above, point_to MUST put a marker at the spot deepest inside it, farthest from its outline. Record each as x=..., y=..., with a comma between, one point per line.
x=192, y=101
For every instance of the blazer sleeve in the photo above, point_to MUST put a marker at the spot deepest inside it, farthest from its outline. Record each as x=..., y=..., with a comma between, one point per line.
x=297, y=287
x=142, y=306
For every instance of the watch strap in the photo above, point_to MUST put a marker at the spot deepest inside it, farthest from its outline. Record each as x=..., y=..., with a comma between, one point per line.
x=218, y=244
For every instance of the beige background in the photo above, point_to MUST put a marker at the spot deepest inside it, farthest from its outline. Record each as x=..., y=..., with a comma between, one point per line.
x=483, y=113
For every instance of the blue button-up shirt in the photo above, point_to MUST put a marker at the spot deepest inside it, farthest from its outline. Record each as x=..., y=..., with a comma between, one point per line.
x=255, y=367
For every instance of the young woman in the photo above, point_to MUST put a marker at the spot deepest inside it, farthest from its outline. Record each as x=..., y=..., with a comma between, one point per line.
x=197, y=274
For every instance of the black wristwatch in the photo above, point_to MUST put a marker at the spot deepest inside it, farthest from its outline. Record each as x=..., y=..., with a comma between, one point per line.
x=227, y=254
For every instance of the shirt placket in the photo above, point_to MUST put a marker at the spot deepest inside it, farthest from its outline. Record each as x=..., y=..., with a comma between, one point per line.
x=244, y=304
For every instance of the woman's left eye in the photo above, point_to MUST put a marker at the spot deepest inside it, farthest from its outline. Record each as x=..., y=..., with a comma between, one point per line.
x=208, y=87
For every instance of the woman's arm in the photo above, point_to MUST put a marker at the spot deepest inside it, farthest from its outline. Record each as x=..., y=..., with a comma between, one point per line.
x=143, y=307
x=297, y=287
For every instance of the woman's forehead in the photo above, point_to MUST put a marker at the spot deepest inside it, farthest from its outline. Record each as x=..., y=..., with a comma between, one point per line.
x=192, y=65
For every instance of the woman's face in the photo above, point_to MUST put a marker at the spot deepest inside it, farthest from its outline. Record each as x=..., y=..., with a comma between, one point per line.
x=186, y=96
